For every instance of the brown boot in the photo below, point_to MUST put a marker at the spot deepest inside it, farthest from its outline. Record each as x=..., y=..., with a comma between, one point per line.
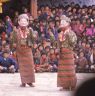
x=30, y=84
x=23, y=85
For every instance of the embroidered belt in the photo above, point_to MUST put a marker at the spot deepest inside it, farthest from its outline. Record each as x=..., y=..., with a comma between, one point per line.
x=24, y=46
x=23, y=41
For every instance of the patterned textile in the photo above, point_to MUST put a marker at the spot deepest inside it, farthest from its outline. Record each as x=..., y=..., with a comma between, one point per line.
x=17, y=38
x=66, y=69
x=68, y=39
x=26, y=67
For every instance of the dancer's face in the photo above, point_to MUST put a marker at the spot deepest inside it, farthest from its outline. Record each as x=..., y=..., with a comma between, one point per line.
x=23, y=22
x=63, y=29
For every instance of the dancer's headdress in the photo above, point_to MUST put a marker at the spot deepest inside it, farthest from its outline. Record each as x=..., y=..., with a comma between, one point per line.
x=65, y=21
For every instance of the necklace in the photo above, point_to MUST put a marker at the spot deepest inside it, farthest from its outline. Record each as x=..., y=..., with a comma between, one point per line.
x=23, y=33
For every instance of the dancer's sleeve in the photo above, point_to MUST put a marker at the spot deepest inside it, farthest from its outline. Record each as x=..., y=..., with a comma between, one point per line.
x=72, y=39
x=13, y=38
x=30, y=38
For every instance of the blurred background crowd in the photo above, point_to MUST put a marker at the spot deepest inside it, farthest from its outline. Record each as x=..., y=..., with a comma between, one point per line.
x=45, y=30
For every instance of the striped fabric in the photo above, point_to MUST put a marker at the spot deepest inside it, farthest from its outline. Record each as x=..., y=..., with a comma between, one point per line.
x=26, y=64
x=66, y=70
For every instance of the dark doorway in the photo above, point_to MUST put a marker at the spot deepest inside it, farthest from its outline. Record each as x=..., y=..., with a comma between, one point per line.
x=14, y=5
x=18, y=4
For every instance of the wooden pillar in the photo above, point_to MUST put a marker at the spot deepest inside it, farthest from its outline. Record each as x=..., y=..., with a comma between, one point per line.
x=34, y=8
x=1, y=8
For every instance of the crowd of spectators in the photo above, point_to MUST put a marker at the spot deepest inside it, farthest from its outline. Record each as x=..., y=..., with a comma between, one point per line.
x=45, y=30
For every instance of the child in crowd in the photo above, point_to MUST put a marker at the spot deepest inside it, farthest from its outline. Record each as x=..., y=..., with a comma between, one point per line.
x=53, y=61
x=44, y=64
x=7, y=64
x=81, y=63
x=37, y=56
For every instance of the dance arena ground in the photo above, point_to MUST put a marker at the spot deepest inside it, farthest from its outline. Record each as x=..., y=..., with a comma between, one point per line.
x=45, y=85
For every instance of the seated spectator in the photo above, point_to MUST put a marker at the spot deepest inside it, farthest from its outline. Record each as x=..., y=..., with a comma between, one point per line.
x=81, y=63
x=44, y=64
x=47, y=49
x=41, y=48
x=53, y=61
x=9, y=25
x=6, y=63
x=77, y=28
x=37, y=56
x=90, y=30
x=50, y=34
x=44, y=43
x=92, y=61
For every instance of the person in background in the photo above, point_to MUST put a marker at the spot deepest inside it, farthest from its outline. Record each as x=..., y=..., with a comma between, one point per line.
x=9, y=25
x=44, y=63
x=6, y=63
x=15, y=20
x=37, y=56
x=81, y=63
x=53, y=61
